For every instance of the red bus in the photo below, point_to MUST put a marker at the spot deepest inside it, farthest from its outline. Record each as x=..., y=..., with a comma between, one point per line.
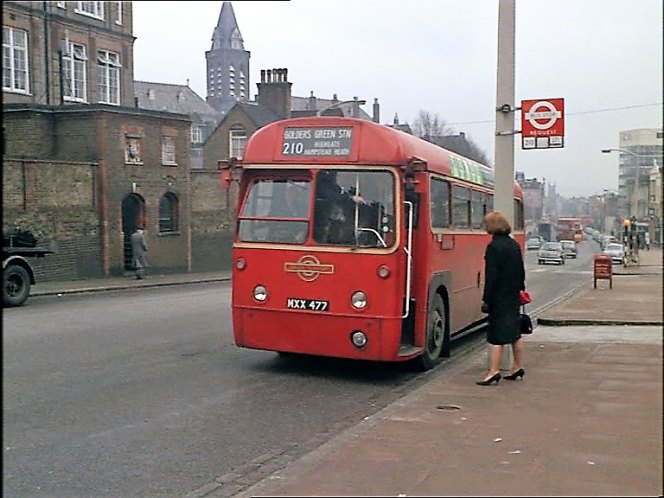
x=394, y=275
x=570, y=228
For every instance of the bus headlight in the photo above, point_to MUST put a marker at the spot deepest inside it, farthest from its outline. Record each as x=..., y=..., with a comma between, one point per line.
x=260, y=293
x=358, y=338
x=241, y=263
x=358, y=300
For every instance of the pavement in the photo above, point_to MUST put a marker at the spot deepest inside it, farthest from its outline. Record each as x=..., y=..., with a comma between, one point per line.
x=586, y=420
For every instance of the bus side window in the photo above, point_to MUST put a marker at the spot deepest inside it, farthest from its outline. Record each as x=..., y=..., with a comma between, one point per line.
x=477, y=207
x=461, y=205
x=518, y=215
x=440, y=203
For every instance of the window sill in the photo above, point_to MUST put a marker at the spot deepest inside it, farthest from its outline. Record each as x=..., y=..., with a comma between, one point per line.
x=133, y=163
x=89, y=14
x=170, y=165
x=168, y=234
x=16, y=90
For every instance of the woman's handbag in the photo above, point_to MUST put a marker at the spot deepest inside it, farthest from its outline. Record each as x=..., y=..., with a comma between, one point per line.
x=525, y=323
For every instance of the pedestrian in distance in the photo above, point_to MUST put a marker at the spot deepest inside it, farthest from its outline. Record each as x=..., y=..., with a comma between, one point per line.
x=139, y=251
x=505, y=277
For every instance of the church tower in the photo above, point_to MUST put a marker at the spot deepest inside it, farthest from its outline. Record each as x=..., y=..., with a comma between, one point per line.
x=227, y=63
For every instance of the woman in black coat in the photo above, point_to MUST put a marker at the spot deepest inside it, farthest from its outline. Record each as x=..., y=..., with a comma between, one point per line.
x=504, y=279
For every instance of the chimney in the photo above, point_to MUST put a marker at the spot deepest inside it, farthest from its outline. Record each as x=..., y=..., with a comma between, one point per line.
x=356, y=108
x=274, y=91
x=312, y=102
x=376, y=111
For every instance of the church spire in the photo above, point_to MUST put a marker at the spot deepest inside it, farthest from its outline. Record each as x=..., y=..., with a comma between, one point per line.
x=227, y=61
x=227, y=33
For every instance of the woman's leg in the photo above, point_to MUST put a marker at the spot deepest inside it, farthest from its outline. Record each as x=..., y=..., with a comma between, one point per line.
x=496, y=354
x=516, y=354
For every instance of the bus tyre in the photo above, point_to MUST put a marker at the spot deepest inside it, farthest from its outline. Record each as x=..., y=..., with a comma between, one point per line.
x=15, y=285
x=436, y=335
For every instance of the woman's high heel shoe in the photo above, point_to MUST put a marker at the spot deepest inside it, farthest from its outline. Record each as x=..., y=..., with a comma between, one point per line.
x=513, y=376
x=494, y=378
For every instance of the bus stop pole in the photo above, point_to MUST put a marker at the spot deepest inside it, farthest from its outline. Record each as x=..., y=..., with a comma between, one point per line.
x=504, y=142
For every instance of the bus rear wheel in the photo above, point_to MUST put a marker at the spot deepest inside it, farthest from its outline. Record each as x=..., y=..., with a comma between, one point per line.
x=436, y=335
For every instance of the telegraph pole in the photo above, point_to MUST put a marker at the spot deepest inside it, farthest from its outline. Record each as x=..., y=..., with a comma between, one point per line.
x=504, y=145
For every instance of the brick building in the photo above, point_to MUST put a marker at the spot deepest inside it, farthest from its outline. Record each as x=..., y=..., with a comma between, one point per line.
x=82, y=167
x=84, y=177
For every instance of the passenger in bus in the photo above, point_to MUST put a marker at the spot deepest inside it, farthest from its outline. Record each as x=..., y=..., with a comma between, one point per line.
x=333, y=218
x=504, y=279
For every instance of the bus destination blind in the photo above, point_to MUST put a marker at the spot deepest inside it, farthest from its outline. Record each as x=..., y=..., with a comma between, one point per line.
x=317, y=141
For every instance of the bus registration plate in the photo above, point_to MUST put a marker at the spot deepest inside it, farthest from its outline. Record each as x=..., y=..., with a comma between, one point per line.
x=293, y=303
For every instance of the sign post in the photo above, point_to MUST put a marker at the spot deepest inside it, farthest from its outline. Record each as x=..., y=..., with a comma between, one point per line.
x=602, y=269
x=542, y=124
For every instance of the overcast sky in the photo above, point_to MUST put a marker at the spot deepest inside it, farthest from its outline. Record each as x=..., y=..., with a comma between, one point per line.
x=604, y=57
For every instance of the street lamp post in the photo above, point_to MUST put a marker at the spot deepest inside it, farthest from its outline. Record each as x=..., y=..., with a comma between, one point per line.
x=337, y=104
x=637, y=175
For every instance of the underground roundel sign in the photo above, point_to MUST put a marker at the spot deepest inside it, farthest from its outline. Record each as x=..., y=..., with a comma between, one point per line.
x=542, y=123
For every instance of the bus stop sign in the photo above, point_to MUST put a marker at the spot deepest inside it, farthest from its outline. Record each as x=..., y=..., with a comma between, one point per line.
x=542, y=123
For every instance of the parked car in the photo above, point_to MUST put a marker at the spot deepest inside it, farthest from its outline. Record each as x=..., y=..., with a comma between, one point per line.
x=533, y=243
x=605, y=240
x=551, y=252
x=569, y=248
x=616, y=251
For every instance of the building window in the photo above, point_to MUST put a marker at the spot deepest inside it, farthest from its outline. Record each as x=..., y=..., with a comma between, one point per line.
x=196, y=134
x=133, y=150
x=118, y=17
x=109, y=77
x=238, y=137
x=74, y=64
x=92, y=9
x=14, y=60
x=168, y=151
x=168, y=213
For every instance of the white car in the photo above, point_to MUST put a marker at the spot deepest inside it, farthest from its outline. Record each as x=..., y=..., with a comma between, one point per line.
x=616, y=251
x=551, y=252
x=533, y=243
x=569, y=248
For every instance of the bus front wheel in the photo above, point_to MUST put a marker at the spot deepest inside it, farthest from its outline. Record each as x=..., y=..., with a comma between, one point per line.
x=435, y=337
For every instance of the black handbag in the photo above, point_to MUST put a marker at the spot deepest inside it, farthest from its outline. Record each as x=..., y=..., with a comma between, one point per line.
x=525, y=323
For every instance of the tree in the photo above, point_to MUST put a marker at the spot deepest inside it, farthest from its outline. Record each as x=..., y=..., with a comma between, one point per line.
x=427, y=126
x=432, y=128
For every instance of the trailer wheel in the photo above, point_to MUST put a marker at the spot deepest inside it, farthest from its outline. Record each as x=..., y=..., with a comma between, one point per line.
x=435, y=337
x=15, y=285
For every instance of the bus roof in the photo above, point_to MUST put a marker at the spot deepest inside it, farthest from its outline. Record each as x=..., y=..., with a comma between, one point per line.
x=337, y=140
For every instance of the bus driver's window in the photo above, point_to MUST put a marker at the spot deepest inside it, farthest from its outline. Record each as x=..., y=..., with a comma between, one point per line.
x=354, y=208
